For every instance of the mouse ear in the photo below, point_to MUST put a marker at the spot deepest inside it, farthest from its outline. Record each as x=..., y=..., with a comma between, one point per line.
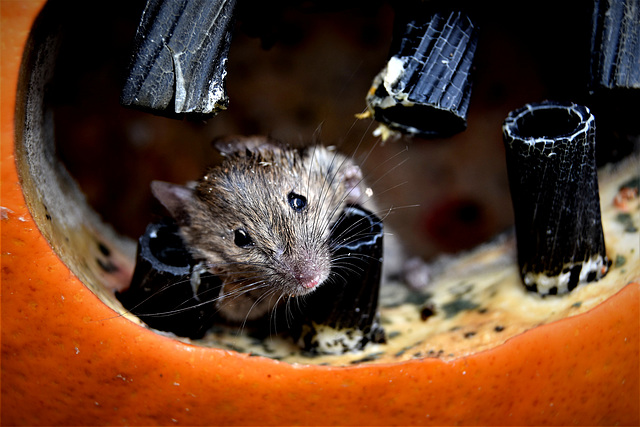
x=246, y=146
x=175, y=198
x=351, y=175
x=348, y=174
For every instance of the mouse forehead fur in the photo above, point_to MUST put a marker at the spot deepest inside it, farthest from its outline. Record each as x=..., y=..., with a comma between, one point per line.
x=255, y=183
x=250, y=190
x=275, y=171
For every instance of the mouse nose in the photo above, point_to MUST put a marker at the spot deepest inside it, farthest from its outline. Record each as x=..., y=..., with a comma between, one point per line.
x=308, y=281
x=308, y=274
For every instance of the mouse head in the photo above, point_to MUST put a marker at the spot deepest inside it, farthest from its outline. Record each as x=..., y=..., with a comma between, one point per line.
x=263, y=217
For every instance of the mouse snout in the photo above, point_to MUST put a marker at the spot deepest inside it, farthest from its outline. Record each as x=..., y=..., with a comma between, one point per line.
x=310, y=275
x=307, y=273
x=308, y=281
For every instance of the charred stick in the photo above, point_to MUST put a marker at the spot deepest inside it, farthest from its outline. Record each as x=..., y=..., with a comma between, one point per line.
x=179, y=61
x=424, y=89
x=615, y=77
x=615, y=45
x=550, y=149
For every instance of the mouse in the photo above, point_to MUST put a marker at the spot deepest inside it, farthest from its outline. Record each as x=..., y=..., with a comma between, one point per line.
x=261, y=220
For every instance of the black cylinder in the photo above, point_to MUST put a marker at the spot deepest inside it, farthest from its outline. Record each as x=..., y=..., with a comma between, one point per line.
x=615, y=77
x=171, y=292
x=550, y=150
x=425, y=88
x=342, y=314
x=168, y=291
x=178, y=66
x=615, y=45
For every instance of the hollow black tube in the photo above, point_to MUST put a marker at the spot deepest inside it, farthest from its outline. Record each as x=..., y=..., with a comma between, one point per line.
x=342, y=314
x=550, y=151
x=178, y=65
x=167, y=291
x=424, y=89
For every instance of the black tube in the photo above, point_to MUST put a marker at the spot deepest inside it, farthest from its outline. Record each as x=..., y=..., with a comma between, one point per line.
x=615, y=45
x=550, y=150
x=178, y=65
x=342, y=314
x=615, y=77
x=425, y=88
x=171, y=293
x=167, y=291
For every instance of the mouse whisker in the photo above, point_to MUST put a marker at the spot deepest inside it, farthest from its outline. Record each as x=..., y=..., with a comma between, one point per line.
x=269, y=294
x=393, y=187
x=155, y=294
x=356, y=256
x=387, y=171
x=273, y=321
x=349, y=267
x=336, y=277
x=328, y=184
x=175, y=311
x=348, y=232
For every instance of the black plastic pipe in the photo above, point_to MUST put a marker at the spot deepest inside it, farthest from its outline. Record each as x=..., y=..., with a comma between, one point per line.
x=550, y=150
x=424, y=89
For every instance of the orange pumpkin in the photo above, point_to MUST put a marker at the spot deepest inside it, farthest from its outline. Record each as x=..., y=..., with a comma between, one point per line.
x=67, y=359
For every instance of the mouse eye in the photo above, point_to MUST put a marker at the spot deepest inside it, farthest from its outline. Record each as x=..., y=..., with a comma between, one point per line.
x=297, y=202
x=242, y=239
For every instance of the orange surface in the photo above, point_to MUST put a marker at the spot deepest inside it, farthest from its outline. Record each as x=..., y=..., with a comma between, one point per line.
x=66, y=360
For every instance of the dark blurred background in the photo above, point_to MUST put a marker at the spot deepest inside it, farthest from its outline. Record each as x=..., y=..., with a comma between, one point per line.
x=298, y=69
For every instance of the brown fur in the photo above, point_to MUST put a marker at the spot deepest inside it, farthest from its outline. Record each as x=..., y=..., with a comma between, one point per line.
x=291, y=254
